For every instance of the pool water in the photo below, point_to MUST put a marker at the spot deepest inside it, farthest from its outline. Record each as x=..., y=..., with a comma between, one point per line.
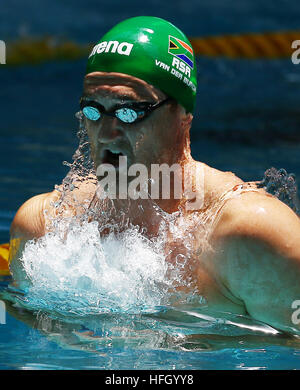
x=138, y=342
x=246, y=121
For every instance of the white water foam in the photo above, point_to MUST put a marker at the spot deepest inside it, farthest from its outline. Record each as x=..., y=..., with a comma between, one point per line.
x=85, y=274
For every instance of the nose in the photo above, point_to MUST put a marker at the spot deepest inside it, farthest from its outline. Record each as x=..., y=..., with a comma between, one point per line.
x=109, y=129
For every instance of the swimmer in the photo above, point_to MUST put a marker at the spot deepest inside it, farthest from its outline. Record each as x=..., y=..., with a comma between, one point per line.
x=138, y=101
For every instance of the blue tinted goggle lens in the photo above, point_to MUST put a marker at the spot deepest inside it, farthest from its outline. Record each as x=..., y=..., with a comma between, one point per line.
x=93, y=111
x=126, y=115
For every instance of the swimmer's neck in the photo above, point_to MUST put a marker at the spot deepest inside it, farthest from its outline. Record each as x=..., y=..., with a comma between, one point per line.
x=170, y=204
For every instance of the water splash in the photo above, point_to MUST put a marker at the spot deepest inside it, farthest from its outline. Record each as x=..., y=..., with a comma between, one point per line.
x=84, y=274
x=95, y=261
x=282, y=185
x=108, y=265
x=81, y=171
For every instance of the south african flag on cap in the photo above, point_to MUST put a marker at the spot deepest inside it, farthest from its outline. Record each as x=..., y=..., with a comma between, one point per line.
x=182, y=50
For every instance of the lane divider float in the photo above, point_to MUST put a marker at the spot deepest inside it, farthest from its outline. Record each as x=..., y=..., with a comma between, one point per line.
x=268, y=45
x=4, y=254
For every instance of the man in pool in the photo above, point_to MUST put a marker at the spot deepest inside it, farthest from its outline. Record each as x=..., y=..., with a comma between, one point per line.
x=138, y=99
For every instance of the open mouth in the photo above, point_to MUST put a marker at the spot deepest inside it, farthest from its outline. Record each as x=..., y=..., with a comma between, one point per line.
x=112, y=158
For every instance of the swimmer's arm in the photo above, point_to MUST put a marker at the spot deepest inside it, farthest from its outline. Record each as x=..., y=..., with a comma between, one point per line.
x=28, y=223
x=259, y=258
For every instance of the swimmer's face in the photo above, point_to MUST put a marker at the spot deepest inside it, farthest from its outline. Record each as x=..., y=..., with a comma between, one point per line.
x=156, y=139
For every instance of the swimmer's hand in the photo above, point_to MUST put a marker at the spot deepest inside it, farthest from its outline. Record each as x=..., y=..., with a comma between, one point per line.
x=258, y=258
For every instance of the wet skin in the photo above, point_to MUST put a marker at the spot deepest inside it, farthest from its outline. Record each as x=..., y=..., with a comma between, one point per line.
x=162, y=137
x=254, y=265
x=146, y=142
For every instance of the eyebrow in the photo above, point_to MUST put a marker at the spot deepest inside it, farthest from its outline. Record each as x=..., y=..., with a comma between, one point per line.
x=132, y=104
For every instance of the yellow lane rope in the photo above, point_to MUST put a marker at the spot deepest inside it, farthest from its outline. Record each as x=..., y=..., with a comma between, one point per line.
x=4, y=253
x=251, y=46
x=34, y=51
x=266, y=45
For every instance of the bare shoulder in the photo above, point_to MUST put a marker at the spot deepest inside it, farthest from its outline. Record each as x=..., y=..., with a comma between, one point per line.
x=259, y=216
x=28, y=222
x=258, y=256
x=217, y=182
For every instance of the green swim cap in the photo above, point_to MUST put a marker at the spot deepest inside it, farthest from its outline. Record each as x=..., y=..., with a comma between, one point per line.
x=153, y=50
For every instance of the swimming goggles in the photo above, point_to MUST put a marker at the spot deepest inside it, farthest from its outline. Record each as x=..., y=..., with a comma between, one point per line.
x=126, y=112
